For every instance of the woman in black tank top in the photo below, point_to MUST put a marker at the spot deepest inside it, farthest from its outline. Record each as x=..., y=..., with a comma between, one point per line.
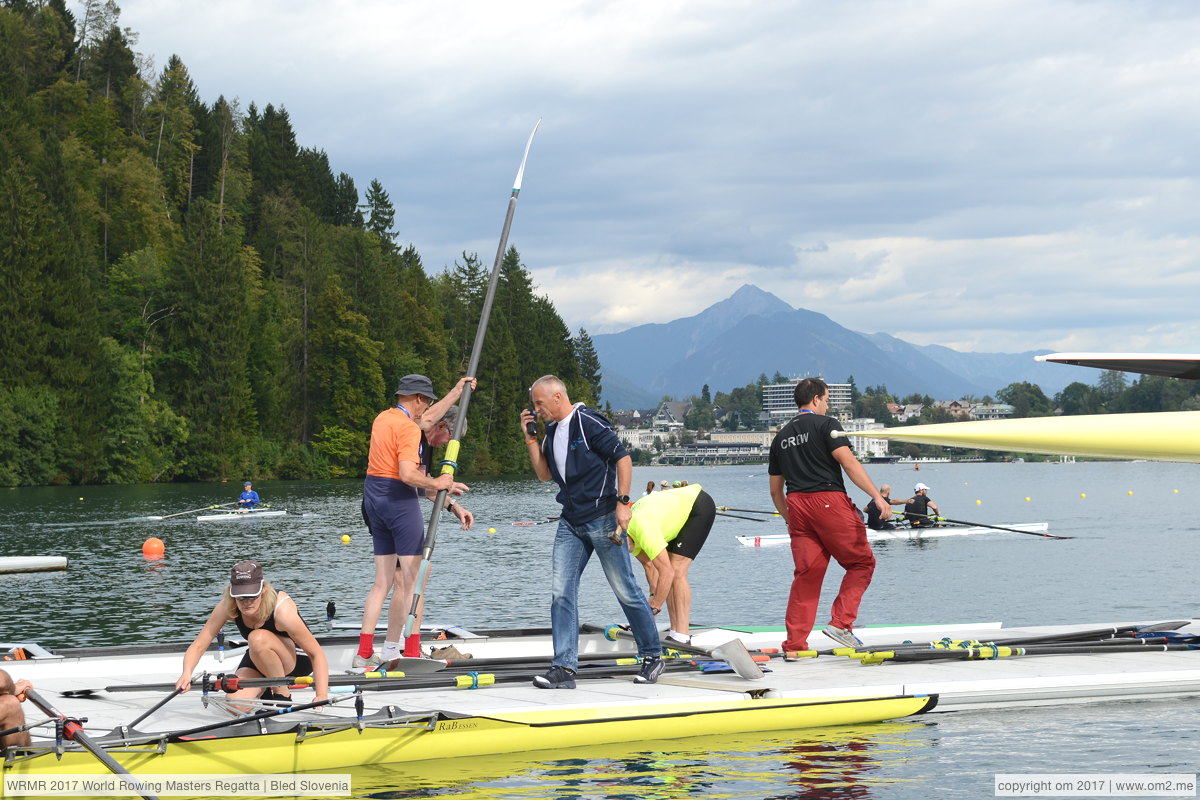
x=271, y=624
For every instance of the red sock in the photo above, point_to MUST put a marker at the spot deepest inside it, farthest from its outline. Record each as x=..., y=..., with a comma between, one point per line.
x=366, y=644
x=412, y=646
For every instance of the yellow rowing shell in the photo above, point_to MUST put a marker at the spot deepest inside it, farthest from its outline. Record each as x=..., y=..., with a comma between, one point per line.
x=518, y=732
x=1162, y=436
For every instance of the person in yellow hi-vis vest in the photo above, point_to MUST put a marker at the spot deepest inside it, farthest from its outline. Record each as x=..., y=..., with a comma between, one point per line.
x=666, y=533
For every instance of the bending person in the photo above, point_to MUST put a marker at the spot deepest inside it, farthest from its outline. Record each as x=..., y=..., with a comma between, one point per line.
x=665, y=534
x=270, y=622
x=12, y=694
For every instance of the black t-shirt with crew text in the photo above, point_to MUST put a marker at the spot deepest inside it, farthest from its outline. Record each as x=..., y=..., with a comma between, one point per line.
x=802, y=452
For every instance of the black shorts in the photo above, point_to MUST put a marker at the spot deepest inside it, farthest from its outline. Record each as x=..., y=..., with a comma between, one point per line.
x=694, y=533
x=303, y=665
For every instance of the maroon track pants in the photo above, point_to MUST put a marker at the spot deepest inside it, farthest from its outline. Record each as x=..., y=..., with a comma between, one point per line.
x=824, y=524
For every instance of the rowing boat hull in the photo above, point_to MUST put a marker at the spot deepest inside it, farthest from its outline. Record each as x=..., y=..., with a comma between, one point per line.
x=243, y=515
x=473, y=736
x=10, y=564
x=1160, y=436
x=904, y=534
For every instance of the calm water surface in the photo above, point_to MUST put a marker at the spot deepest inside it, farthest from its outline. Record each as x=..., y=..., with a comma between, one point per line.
x=1133, y=558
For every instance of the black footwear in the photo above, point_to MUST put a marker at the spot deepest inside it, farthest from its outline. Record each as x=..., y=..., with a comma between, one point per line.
x=556, y=678
x=652, y=667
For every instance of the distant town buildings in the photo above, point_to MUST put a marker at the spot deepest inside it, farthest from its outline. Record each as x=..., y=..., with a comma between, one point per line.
x=662, y=430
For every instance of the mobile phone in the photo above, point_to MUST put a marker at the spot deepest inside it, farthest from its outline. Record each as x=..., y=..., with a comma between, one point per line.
x=531, y=426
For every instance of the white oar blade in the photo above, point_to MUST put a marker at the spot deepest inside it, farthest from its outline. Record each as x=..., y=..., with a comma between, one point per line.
x=735, y=654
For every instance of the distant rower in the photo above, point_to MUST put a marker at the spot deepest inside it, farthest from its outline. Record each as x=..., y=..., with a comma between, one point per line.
x=916, y=508
x=249, y=498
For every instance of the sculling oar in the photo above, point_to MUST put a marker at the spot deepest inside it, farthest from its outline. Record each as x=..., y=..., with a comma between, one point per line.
x=194, y=510
x=73, y=730
x=733, y=652
x=449, y=463
x=984, y=525
x=738, y=516
x=747, y=510
x=155, y=707
x=986, y=652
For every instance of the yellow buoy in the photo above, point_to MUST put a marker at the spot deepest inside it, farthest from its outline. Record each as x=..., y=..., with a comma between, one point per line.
x=345, y=538
x=1026, y=499
x=1083, y=494
x=978, y=502
x=491, y=530
x=1176, y=491
x=1130, y=492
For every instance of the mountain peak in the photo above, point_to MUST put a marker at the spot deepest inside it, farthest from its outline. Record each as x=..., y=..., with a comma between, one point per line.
x=747, y=301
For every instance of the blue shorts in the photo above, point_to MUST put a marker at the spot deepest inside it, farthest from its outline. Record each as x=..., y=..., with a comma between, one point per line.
x=392, y=511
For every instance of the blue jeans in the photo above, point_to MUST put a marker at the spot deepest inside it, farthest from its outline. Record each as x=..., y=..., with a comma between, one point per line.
x=573, y=546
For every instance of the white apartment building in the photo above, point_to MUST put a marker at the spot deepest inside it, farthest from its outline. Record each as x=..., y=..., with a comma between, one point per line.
x=779, y=403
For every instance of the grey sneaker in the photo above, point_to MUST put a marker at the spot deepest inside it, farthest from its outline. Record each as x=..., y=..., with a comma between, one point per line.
x=556, y=678
x=360, y=664
x=652, y=667
x=842, y=636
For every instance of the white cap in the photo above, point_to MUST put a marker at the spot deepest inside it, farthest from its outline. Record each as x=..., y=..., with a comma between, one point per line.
x=920, y=487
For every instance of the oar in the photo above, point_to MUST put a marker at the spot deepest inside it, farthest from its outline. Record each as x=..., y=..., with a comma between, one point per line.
x=984, y=525
x=746, y=510
x=543, y=522
x=986, y=652
x=155, y=707
x=73, y=730
x=738, y=516
x=194, y=510
x=449, y=463
x=734, y=651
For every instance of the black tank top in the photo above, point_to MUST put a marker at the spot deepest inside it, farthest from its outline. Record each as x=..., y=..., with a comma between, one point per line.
x=269, y=625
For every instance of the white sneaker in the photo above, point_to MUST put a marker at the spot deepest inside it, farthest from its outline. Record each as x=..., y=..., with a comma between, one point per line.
x=842, y=636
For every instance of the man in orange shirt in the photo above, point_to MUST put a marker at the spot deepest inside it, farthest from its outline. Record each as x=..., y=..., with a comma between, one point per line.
x=392, y=510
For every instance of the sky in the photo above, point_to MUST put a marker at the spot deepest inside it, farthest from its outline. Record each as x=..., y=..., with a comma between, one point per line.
x=988, y=176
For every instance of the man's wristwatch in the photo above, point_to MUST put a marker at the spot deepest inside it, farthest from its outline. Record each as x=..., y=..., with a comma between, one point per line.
x=623, y=498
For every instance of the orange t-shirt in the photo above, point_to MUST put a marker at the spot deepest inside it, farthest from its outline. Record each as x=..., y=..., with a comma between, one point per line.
x=394, y=438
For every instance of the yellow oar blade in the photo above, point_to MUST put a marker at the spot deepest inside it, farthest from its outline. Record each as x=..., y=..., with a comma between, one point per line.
x=1165, y=436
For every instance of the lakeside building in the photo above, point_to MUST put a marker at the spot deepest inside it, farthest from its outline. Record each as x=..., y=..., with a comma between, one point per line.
x=779, y=403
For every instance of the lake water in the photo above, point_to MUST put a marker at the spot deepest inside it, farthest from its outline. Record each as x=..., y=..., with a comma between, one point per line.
x=1133, y=558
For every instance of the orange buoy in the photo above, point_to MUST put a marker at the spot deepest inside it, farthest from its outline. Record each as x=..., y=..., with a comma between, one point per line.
x=153, y=548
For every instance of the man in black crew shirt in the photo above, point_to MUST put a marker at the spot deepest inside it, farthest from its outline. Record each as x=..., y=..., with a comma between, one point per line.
x=808, y=462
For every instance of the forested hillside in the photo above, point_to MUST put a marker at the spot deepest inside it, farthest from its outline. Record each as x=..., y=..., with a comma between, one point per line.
x=188, y=294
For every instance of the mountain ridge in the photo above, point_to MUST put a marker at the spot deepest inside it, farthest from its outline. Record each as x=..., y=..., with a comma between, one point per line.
x=753, y=332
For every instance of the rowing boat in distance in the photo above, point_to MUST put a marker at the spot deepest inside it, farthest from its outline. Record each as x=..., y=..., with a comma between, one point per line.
x=242, y=515
x=907, y=534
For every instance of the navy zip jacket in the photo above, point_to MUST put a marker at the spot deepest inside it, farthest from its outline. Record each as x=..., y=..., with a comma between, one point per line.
x=590, y=492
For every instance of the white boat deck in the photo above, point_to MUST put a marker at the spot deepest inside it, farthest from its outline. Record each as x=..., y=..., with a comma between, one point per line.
x=961, y=685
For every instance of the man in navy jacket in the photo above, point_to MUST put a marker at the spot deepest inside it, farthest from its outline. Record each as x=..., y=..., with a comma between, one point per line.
x=583, y=455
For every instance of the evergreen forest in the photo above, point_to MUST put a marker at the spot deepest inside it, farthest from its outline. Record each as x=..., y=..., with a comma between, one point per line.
x=191, y=295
